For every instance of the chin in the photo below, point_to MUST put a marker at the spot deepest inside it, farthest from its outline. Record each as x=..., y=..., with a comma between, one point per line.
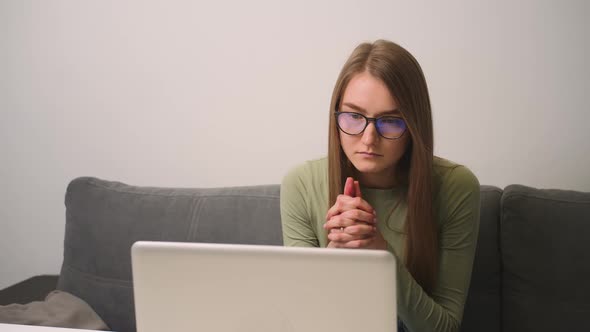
x=368, y=167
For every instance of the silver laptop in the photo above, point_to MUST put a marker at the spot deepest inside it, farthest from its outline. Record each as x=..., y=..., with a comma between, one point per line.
x=183, y=287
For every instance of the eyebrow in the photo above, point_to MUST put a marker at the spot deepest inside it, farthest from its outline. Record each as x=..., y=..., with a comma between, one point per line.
x=362, y=110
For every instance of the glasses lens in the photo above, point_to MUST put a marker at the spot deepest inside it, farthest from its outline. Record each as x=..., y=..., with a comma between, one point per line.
x=351, y=123
x=391, y=127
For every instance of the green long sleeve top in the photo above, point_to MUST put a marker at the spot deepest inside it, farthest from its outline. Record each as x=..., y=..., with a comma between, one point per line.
x=304, y=204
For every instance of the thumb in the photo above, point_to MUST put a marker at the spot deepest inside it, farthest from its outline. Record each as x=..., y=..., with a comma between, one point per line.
x=349, y=187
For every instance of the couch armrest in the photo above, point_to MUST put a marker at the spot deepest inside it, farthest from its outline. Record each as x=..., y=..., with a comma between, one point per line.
x=32, y=289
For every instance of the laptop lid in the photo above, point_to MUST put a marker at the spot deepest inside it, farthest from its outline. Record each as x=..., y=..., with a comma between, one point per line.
x=243, y=288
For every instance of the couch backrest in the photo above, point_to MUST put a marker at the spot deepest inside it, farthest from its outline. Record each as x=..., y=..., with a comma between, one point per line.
x=103, y=220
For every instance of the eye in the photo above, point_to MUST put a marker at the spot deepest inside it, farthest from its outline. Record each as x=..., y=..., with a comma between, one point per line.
x=355, y=116
x=391, y=120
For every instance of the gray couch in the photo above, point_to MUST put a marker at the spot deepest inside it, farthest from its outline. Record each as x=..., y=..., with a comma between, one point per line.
x=531, y=271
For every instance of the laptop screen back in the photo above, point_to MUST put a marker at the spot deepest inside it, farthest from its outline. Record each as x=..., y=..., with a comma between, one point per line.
x=243, y=288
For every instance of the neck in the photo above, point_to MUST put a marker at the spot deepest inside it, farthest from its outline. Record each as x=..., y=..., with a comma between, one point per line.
x=384, y=180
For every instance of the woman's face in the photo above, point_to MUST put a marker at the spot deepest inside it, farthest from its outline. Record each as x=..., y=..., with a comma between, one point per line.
x=374, y=157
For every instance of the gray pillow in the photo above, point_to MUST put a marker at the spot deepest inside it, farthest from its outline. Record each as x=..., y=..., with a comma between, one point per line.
x=544, y=240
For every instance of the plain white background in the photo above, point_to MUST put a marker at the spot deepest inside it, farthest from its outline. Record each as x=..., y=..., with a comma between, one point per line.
x=227, y=93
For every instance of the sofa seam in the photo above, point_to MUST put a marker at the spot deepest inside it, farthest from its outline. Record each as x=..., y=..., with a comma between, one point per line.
x=501, y=258
x=521, y=195
x=195, y=215
x=102, y=279
x=489, y=188
x=93, y=183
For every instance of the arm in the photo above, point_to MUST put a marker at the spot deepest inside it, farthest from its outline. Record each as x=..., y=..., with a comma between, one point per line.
x=295, y=214
x=459, y=217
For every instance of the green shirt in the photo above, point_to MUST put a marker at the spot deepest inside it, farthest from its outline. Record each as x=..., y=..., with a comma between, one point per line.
x=304, y=204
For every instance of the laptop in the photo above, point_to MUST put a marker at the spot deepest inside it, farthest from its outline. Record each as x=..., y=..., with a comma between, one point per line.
x=251, y=288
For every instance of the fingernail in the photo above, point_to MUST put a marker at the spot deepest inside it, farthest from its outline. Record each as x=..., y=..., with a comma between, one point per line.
x=375, y=220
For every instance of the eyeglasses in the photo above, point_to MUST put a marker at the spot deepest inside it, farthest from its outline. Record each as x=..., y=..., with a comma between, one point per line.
x=390, y=127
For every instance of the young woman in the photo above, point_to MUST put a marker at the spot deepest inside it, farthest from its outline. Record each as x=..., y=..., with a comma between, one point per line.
x=381, y=187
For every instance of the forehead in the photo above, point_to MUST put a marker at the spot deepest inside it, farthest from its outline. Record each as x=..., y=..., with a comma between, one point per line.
x=369, y=93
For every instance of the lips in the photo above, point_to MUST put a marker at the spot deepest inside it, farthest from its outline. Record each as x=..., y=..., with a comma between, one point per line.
x=372, y=154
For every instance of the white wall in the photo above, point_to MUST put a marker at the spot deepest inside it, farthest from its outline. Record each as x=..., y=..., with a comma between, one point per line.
x=203, y=94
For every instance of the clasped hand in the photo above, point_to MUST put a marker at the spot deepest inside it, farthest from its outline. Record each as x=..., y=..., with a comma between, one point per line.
x=352, y=222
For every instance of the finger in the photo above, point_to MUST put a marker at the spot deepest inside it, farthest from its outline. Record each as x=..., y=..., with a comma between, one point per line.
x=363, y=243
x=338, y=222
x=341, y=200
x=357, y=190
x=360, y=215
x=358, y=203
x=351, y=241
x=342, y=203
x=349, y=187
x=345, y=203
x=343, y=238
x=335, y=209
x=336, y=238
x=361, y=230
x=335, y=244
x=337, y=231
x=350, y=218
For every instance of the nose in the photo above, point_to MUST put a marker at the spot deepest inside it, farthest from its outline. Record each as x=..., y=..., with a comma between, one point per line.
x=370, y=135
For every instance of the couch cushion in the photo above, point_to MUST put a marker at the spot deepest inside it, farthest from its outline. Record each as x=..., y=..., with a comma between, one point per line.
x=482, y=309
x=546, y=259
x=103, y=220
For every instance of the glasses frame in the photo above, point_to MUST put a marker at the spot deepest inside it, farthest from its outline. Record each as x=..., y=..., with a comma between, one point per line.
x=369, y=120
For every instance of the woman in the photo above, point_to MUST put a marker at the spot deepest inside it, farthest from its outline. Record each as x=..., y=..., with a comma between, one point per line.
x=381, y=188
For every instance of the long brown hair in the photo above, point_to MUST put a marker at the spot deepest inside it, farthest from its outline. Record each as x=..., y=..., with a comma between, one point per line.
x=404, y=78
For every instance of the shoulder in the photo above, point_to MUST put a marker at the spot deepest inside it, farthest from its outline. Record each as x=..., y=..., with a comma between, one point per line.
x=456, y=193
x=450, y=177
x=305, y=186
x=311, y=171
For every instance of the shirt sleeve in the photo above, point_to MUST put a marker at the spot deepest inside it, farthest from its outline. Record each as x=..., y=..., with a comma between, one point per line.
x=458, y=210
x=295, y=214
